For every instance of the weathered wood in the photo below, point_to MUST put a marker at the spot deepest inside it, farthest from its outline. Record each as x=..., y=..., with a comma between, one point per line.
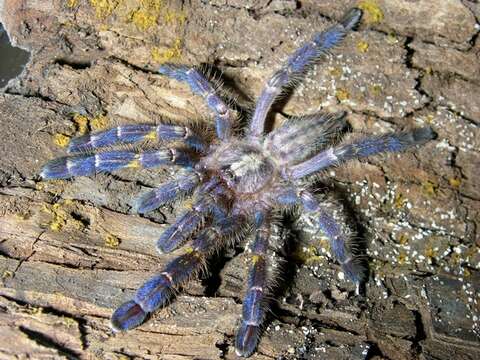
x=71, y=251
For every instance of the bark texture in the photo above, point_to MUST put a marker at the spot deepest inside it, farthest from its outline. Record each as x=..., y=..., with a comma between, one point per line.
x=71, y=251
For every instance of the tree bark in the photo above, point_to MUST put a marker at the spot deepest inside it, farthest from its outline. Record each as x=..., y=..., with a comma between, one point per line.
x=73, y=250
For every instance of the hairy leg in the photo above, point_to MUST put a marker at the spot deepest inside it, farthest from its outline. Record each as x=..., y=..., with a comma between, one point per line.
x=200, y=86
x=338, y=236
x=297, y=63
x=394, y=142
x=157, y=291
x=300, y=138
x=255, y=300
x=84, y=165
x=183, y=184
x=129, y=134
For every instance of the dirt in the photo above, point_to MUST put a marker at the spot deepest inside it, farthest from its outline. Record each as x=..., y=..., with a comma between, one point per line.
x=71, y=251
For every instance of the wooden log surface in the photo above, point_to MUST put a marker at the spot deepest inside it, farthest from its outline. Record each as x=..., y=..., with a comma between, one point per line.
x=73, y=250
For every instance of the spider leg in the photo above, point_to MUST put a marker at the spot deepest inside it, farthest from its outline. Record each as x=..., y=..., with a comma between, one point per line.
x=200, y=86
x=166, y=193
x=158, y=290
x=254, y=302
x=83, y=165
x=129, y=134
x=208, y=202
x=300, y=138
x=394, y=142
x=339, y=239
x=296, y=65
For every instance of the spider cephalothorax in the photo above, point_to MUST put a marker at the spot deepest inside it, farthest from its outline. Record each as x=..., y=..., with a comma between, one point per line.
x=235, y=180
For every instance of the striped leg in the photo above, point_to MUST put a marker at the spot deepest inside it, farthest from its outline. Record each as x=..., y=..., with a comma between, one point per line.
x=200, y=86
x=366, y=147
x=338, y=237
x=255, y=299
x=297, y=63
x=158, y=290
x=129, y=134
x=168, y=192
x=84, y=165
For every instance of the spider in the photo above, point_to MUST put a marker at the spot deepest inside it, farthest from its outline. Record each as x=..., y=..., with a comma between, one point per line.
x=235, y=181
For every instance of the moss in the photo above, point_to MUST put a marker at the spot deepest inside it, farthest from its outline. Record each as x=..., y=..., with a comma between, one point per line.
x=61, y=140
x=112, y=241
x=372, y=12
x=362, y=46
x=399, y=201
x=168, y=55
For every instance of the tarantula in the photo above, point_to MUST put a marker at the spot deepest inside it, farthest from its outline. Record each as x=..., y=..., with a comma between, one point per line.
x=234, y=181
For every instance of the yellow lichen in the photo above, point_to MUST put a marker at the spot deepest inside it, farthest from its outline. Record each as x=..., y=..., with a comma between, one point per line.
x=429, y=188
x=7, y=274
x=81, y=123
x=171, y=17
x=143, y=20
x=362, y=46
x=430, y=252
x=402, y=257
x=112, y=241
x=342, y=94
x=104, y=8
x=60, y=217
x=99, y=122
x=336, y=72
x=455, y=182
x=403, y=239
x=68, y=321
x=392, y=38
x=167, y=55
x=399, y=201
x=188, y=250
x=34, y=310
x=372, y=12
x=72, y=3
x=61, y=140
x=429, y=118
x=376, y=89
x=146, y=15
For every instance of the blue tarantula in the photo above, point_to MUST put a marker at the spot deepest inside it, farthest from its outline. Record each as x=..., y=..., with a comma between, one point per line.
x=234, y=181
